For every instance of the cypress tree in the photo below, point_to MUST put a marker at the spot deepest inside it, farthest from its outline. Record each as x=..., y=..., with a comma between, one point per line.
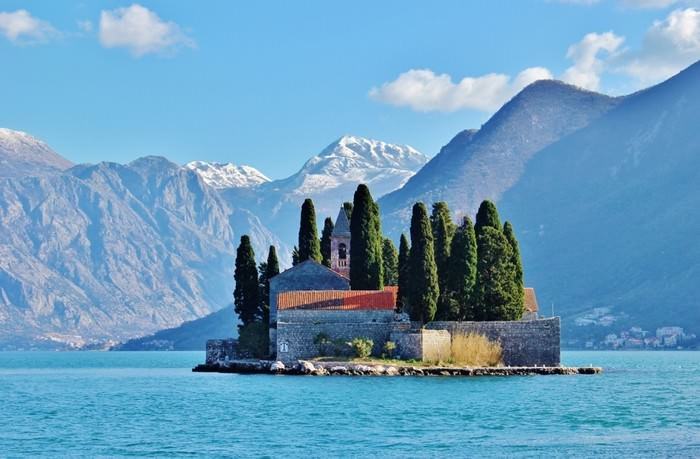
x=462, y=271
x=518, y=279
x=442, y=234
x=366, y=270
x=246, y=295
x=390, y=258
x=268, y=270
x=326, y=242
x=295, y=256
x=404, y=254
x=441, y=209
x=487, y=216
x=495, y=296
x=347, y=206
x=309, y=245
x=423, y=285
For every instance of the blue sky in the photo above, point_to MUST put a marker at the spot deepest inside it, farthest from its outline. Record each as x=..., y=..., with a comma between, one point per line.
x=270, y=84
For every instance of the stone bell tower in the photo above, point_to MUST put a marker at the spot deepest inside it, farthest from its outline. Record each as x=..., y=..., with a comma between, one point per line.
x=340, y=245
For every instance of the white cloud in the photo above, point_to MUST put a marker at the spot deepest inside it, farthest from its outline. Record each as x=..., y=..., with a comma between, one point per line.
x=22, y=28
x=669, y=46
x=588, y=64
x=423, y=90
x=85, y=26
x=141, y=31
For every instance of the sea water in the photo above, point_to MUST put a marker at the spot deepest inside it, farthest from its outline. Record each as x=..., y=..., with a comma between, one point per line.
x=150, y=403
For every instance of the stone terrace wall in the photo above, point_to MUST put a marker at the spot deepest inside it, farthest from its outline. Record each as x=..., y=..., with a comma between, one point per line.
x=525, y=343
x=297, y=328
x=426, y=345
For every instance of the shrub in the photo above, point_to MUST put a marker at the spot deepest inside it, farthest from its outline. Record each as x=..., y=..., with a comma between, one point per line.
x=254, y=339
x=476, y=350
x=389, y=348
x=331, y=347
x=362, y=347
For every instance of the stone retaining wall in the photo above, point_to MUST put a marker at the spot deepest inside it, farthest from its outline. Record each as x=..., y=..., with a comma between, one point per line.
x=425, y=345
x=296, y=330
x=524, y=343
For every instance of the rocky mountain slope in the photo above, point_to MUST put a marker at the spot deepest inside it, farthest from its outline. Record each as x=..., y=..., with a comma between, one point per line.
x=330, y=178
x=22, y=155
x=112, y=251
x=609, y=216
x=484, y=163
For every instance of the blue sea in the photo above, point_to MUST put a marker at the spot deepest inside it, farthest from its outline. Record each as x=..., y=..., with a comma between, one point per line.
x=646, y=404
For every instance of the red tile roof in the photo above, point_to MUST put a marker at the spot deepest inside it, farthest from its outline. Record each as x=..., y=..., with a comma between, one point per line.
x=338, y=299
x=531, y=300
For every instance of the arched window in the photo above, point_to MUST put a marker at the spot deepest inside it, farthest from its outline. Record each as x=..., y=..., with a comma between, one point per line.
x=342, y=251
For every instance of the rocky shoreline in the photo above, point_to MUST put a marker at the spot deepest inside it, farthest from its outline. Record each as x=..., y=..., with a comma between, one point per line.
x=305, y=367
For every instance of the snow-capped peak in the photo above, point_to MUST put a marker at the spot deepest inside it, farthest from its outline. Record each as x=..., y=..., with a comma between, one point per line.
x=227, y=175
x=21, y=154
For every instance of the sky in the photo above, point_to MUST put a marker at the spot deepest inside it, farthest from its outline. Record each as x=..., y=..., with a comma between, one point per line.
x=271, y=83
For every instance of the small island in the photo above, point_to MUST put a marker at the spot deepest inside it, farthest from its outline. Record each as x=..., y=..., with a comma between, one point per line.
x=452, y=303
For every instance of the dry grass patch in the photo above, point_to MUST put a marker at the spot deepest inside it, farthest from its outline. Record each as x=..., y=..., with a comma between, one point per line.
x=476, y=350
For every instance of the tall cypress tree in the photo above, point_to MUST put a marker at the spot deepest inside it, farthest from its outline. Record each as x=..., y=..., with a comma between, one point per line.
x=423, y=286
x=441, y=209
x=366, y=247
x=495, y=295
x=347, y=206
x=404, y=254
x=309, y=245
x=390, y=258
x=462, y=271
x=268, y=270
x=326, y=242
x=246, y=295
x=442, y=234
x=518, y=280
x=487, y=216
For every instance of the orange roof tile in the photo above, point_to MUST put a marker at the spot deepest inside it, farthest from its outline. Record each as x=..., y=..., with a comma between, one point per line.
x=337, y=299
x=531, y=300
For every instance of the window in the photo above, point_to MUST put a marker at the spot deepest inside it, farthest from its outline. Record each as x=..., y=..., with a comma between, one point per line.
x=342, y=251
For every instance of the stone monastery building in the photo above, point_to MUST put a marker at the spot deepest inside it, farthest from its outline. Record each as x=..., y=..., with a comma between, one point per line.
x=309, y=300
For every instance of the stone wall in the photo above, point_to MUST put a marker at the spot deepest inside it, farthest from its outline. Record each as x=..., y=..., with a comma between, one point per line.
x=297, y=328
x=425, y=345
x=524, y=343
x=222, y=350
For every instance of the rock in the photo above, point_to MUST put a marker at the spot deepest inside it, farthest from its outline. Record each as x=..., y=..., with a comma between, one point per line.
x=277, y=367
x=306, y=367
x=391, y=371
x=339, y=370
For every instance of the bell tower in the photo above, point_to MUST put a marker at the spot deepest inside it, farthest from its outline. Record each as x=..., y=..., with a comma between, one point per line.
x=340, y=245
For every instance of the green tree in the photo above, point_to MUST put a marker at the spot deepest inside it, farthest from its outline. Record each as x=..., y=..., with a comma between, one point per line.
x=462, y=271
x=326, y=242
x=267, y=270
x=309, y=245
x=442, y=229
x=404, y=254
x=518, y=279
x=295, y=256
x=347, y=206
x=390, y=257
x=366, y=270
x=495, y=295
x=246, y=295
x=487, y=216
x=423, y=285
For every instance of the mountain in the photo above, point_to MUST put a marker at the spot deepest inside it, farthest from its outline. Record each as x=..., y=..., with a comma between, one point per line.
x=484, y=163
x=609, y=216
x=23, y=155
x=227, y=175
x=330, y=178
x=110, y=252
x=190, y=336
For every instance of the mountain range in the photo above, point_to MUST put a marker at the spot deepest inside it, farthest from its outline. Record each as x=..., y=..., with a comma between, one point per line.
x=602, y=192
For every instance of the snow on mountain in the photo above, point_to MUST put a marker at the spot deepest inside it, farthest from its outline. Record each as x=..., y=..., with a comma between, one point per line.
x=227, y=175
x=330, y=178
x=24, y=155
